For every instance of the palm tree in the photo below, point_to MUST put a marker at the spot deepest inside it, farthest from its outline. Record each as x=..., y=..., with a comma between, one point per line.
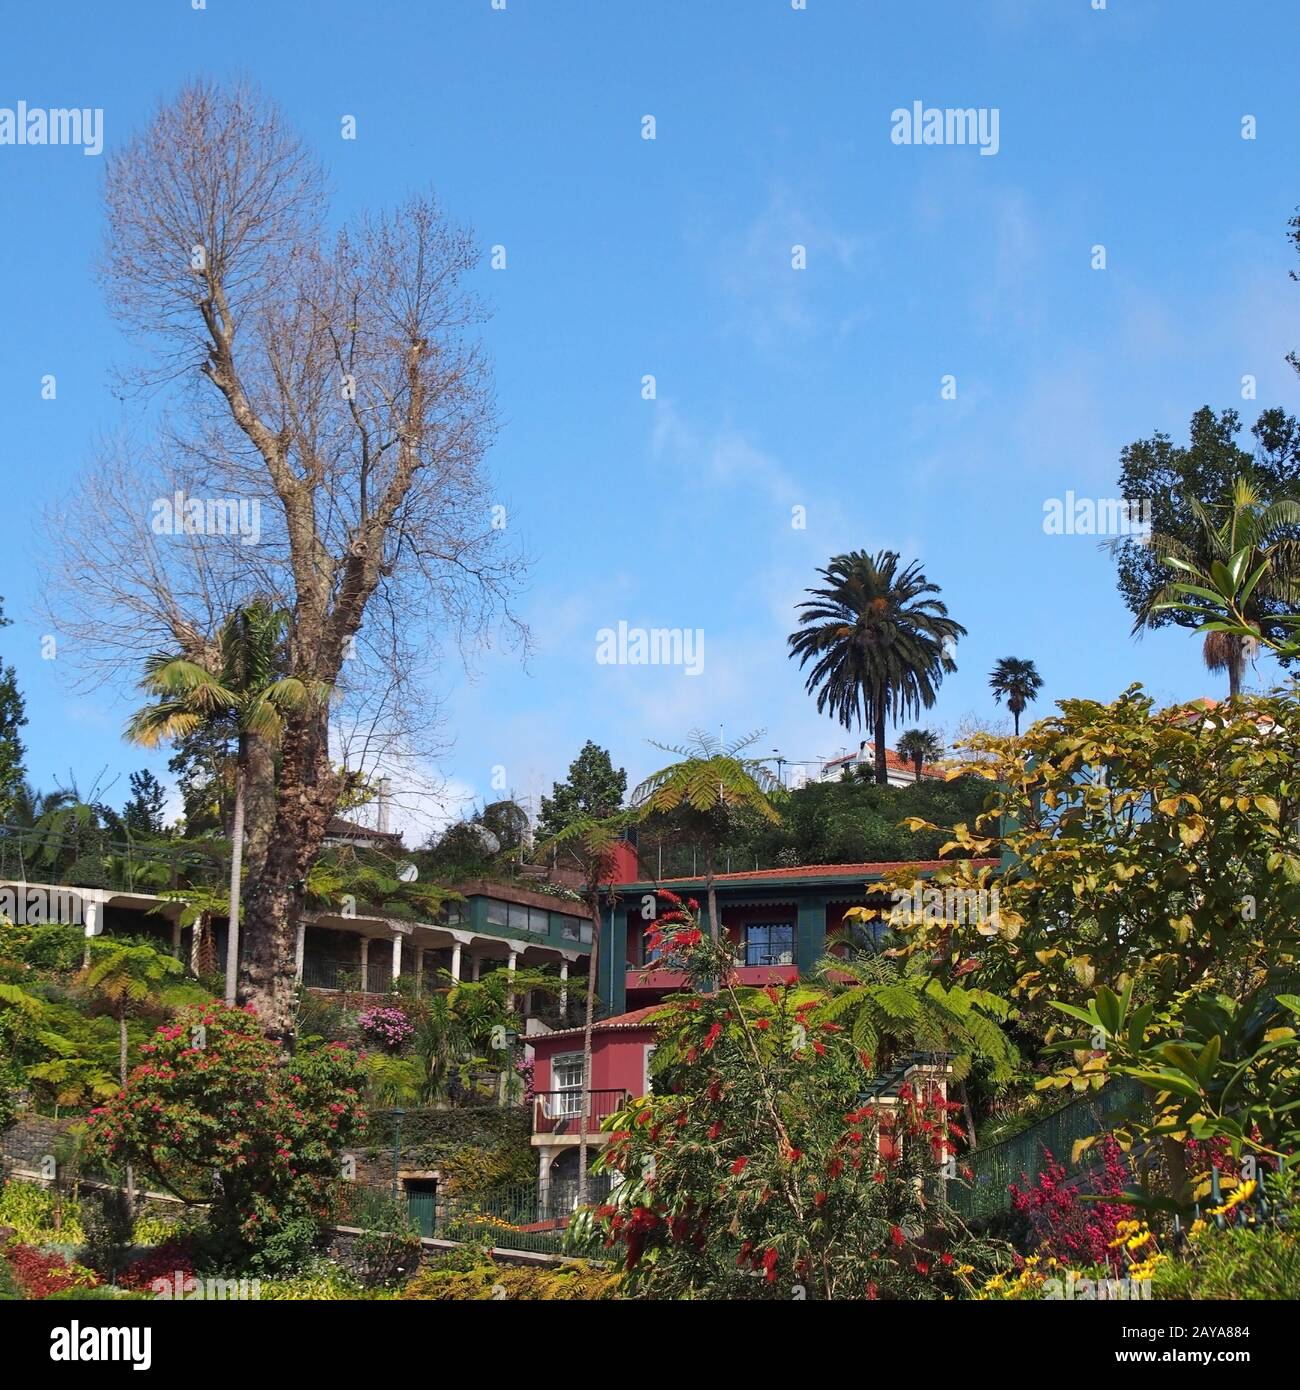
x=245, y=694
x=125, y=972
x=919, y=746
x=879, y=645
x=1018, y=682
x=1263, y=536
x=587, y=844
x=892, y=1009
x=702, y=791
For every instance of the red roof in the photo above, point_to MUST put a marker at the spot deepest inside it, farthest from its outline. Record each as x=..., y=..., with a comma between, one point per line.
x=831, y=871
x=893, y=760
x=638, y=1018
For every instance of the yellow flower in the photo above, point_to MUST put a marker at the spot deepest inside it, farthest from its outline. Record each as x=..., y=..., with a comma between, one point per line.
x=1241, y=1193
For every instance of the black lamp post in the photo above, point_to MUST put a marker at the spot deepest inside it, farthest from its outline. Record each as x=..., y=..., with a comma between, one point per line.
x=398, y=1115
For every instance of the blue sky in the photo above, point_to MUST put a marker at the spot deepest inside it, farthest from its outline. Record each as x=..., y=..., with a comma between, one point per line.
x=776, y=388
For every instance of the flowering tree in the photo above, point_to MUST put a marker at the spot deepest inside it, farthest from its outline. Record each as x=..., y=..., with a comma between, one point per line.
x=214, y=1094
x=764, y=1165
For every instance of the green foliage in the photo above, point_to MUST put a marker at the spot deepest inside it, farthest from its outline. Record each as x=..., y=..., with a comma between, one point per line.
x=1237, y=1263
x=387, y=1249
x=13, y=715
x=1219, y=1068
x=1157, y=845
x=592, y=791
x=476, y=1149
x=854, y=822
x=214, y=1094
x=1175, y=479
x=143, y=813
x=30, y=1209
x=893, y=1007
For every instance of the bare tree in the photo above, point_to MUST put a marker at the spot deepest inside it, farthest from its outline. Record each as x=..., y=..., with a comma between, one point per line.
x=335, y=383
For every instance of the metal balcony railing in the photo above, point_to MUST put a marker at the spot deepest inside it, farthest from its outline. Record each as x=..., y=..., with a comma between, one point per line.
x=559, y=1112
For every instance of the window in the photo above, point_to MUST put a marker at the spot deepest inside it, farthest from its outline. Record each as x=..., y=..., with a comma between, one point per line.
x=529, y=920
x=576, y=929
x=566, y=1081
x=455, y=913
x=769, y=943
x=498, y=913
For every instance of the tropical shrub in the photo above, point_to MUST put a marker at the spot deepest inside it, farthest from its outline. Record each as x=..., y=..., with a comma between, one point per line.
x=214, y=1094
x=110, y=1229
x=760, y=1169
x=387, y=1249
x=29, y=1209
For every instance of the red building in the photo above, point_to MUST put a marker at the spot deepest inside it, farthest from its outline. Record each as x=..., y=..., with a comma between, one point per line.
x=620, y=1068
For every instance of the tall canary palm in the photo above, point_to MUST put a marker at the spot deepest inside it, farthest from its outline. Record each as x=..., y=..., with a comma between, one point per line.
x=702, y=791
x=1015, y=680
x=125, y=972
x=878, y=642
x=919, y=746
x=587, y=845
x=244, y=692
x=1243, y=524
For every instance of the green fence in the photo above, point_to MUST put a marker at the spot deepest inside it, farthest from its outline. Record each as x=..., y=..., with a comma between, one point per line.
x=1022, y=1157
x=512, y=1218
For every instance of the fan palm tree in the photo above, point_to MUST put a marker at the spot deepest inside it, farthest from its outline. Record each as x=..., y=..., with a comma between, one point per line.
x=878, y=643
x=1017, y=681
x=245, y=693
x=919, y=746
x=701, y=792
x=125, y=973
x=587, y=844
x=1243, y=526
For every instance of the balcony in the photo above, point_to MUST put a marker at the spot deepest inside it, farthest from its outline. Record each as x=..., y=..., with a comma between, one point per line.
x=557, y=1113
x=756, y=976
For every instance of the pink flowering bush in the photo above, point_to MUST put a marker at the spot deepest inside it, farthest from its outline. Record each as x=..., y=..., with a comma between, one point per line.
x=213, y=1094
x=1076, y=1232
x=385, y=1025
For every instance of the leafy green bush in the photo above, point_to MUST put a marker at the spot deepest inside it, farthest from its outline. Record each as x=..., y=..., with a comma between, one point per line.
x=29, y=1208
x=1239, y=1263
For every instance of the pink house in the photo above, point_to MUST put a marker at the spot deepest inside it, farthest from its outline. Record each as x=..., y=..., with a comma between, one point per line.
x=620, y=1069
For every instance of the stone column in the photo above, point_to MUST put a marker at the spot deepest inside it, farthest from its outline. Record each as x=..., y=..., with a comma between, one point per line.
x=365, y=964
x=397, y=955
x=510, y=966
x=299, y=950
x=564, y=993
x=455, y=961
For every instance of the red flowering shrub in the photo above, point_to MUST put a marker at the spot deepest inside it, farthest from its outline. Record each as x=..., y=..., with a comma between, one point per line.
x=40, y=1274
x=753, y=1171
x=1076, y=1232
x=214, y=1095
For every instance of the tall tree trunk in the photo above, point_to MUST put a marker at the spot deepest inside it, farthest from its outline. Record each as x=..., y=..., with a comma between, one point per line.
x=121, y=1067
x=711, y=893
x=305, y=800
x=1236, y=666
x=236, y=872
x=593, y=905
x=882, y=772
x=259, y=805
